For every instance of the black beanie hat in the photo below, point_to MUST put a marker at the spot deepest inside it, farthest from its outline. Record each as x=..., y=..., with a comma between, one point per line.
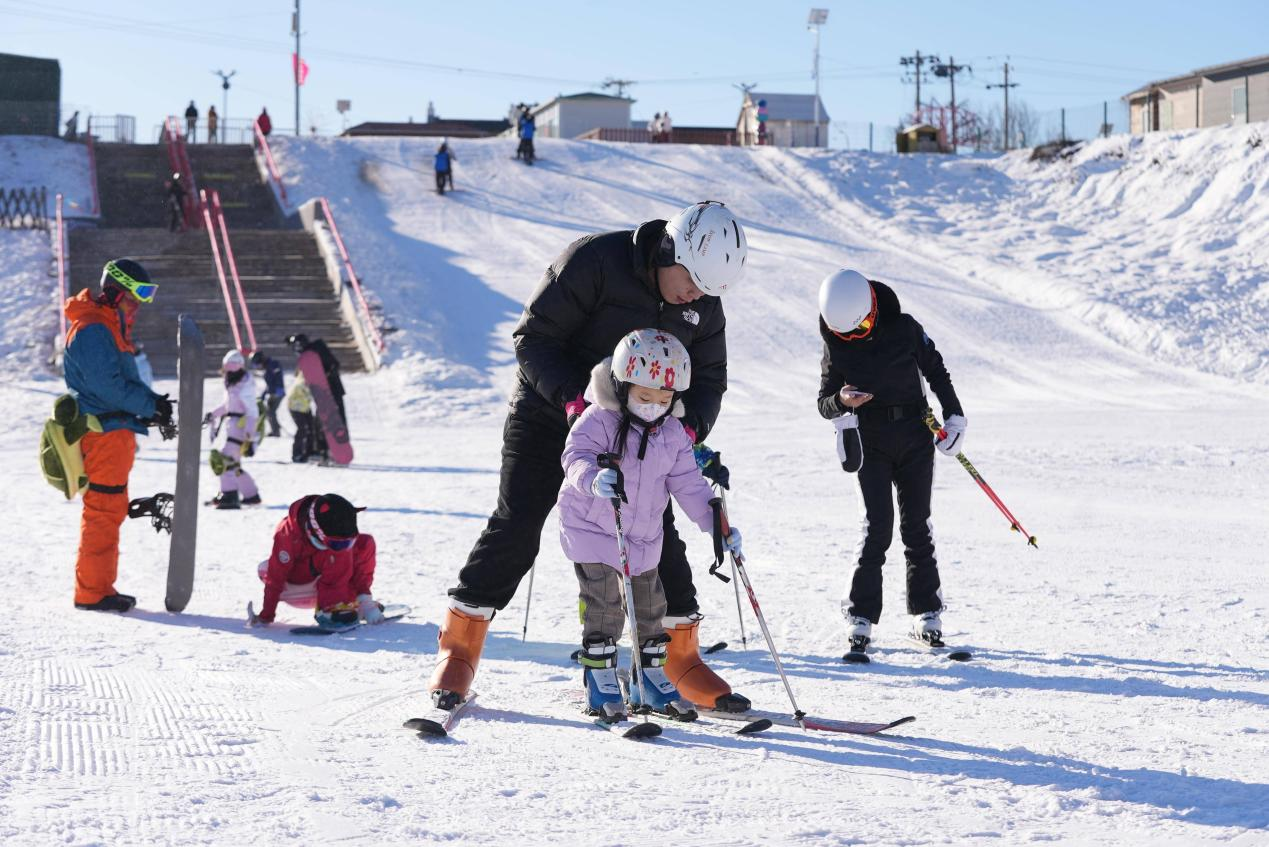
x=335, y=515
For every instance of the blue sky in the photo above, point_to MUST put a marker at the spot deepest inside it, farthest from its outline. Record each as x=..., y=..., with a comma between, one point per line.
x=391, y=57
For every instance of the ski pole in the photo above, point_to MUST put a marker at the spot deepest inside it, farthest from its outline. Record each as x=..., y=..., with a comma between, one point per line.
x=527, y=601
x=1014, y=524
x=738, y=562
x=740, y=617
x=608, y=460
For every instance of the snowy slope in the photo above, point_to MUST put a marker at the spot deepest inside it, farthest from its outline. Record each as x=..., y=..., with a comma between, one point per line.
x=35, y=161
x=1121, y=686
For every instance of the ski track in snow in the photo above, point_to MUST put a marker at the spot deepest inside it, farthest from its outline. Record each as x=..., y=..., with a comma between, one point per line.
x=1120, y=685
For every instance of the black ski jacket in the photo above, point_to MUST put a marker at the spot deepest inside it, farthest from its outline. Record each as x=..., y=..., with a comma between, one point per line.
x=888, y=364
x=600, y=288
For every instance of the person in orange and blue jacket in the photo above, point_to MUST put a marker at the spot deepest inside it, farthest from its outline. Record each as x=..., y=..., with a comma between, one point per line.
x=101, y=372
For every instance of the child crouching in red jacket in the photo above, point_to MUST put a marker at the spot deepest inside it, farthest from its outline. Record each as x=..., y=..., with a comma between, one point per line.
x=320, y=560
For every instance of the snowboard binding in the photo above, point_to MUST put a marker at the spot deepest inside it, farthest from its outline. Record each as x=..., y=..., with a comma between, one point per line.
x=157, y=508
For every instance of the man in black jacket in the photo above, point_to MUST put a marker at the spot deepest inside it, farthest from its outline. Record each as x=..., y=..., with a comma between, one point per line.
x=666, y=275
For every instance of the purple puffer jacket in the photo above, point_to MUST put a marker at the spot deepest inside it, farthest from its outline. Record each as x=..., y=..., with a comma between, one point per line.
x=588, y=531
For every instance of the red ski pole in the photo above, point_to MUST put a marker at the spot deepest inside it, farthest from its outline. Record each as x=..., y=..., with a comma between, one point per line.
x=1014, y=524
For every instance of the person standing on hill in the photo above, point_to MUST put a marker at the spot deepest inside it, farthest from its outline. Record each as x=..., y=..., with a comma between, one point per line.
x=101, y=372
x=875, y=356
x=265, y=124
x=213, y=123
x=191, y=122
x=238, y=414
x=444, y=164
x=666, y=275
x=528, y=128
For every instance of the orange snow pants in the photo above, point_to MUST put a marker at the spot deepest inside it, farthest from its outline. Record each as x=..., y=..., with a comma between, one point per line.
x=107, y=462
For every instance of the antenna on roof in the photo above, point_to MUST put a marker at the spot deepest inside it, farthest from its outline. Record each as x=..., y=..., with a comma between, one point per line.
x=620, y=84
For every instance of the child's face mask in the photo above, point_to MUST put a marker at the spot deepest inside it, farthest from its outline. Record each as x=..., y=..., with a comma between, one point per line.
x=647, y=412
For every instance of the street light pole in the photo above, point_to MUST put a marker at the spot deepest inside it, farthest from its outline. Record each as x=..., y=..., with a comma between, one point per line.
x=818, y=18
x=224, y=106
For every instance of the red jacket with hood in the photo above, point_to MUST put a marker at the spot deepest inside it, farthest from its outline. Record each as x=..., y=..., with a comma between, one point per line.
x=341, y=575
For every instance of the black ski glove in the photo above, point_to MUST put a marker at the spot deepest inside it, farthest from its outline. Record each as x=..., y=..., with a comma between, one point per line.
x=164, y=411
x=711, y=464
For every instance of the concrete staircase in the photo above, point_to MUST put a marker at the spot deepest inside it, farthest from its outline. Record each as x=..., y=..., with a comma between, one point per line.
x=283, y=274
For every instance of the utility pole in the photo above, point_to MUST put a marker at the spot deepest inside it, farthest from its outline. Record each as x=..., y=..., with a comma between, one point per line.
x=1006, y=85
x=817, y=19
x=915, y=62
x=620, y=84
x=224, y=106
x=950, y=69
x=295, y=27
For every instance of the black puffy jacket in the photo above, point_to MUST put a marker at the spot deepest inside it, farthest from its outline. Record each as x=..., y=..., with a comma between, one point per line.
x=888, y=364
x=600, y=288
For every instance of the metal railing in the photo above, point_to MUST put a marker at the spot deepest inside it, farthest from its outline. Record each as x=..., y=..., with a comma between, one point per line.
x=368, y=318
x=61, y=269
x=119, y=129
x=275, y=175
x=24, y=208
x=687, y=135
x=218, y=215
x=220, y=269
x=178, y=160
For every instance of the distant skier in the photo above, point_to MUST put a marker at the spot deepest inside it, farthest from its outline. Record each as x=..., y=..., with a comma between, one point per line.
x=599, y=289
x=875, y=354
x=213, y=124
x=175, y=203
x=236, y=417
x=444, y=165
x=274, y=388
x=330, y=366
x=527, y=127
x=635, y=416
x=102, y=374
x=320, y=560
x=264, y=122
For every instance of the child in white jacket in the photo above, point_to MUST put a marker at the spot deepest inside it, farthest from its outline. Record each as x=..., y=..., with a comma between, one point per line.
x=239, y=415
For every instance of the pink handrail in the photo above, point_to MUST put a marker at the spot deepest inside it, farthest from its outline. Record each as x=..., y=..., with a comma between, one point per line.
x=276, y=175
x=352, y=274
x=178, y=158
x=61, y=267
x=220, y=270
x=219, y=214
x=92, y=167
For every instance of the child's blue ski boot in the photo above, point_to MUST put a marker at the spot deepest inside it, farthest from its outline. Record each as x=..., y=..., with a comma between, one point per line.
x=663, y=697
x=598, y=658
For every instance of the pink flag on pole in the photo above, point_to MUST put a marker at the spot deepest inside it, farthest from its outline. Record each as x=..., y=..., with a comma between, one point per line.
x=300, y=68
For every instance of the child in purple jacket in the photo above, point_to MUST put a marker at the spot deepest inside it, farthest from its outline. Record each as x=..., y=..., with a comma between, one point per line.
x=635, y=415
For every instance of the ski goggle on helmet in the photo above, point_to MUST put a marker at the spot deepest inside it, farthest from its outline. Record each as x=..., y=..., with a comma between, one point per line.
x=848, y=305
x=131, y=277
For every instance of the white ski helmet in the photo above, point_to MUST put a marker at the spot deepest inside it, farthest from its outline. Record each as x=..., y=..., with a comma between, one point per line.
x=706, y=239
x=233, y=361
x=848, y=304
x=652, y=358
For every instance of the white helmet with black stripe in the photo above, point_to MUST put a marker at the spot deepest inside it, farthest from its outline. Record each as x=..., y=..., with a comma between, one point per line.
x=706, y=239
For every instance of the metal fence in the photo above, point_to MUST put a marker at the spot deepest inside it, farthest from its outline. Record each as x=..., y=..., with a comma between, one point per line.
x=228, y=131
x=24, y=208
x=117, y=129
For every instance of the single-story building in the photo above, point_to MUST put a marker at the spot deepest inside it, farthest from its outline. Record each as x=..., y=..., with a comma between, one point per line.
x=572, y=115
x=920, y=138
x=790, y=120
x=1235, y=92
x=440, y=128
x=30, y=95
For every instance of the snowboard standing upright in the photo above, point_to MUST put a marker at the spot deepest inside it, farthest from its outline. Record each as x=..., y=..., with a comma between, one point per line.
x=333, y=425
x=189, y=408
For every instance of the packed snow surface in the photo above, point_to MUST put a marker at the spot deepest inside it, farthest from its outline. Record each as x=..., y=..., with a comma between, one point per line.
x=1103, y=320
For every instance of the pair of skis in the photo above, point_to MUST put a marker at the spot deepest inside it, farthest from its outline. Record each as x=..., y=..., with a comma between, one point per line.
x=391, y=612
x=933, y=645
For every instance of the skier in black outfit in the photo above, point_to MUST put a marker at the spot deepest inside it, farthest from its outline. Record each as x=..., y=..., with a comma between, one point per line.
x=600, y=288
x=870, y=386
x=330, y=365
x=274, y=388
x=175, y=203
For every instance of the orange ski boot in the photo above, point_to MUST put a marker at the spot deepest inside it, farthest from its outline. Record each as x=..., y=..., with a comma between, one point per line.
x=689, y=673
x=461, y=640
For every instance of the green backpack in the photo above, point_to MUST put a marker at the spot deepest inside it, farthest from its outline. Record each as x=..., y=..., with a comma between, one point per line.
x=61, y=460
